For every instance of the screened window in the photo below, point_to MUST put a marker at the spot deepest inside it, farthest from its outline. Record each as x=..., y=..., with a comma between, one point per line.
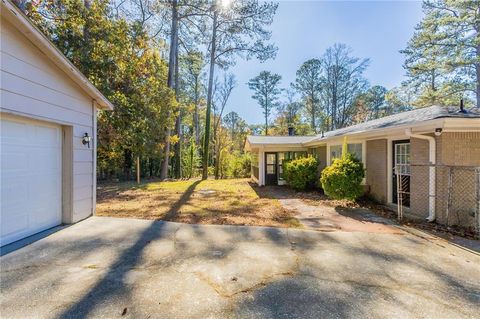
x=281, y=157
x=271, y=163
x=294, y=155
x=402, y=158
x=335, y=152
x=353, y=148
x=356, y=150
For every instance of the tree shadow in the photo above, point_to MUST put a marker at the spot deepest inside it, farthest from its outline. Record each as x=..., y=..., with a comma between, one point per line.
x=304, y=293
x=112, y=283
x=173, y=211
x=335, y=275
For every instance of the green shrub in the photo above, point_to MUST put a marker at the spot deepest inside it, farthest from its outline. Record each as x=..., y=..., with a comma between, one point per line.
x=300, y=173
x=239, y=165
x=342, y=179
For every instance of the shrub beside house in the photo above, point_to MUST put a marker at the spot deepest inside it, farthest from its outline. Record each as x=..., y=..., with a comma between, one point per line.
x=301, y=173
x=343, y=179
x=424, y=142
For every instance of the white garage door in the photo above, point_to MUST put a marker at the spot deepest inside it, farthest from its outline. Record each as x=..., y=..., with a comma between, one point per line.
x=31, y=178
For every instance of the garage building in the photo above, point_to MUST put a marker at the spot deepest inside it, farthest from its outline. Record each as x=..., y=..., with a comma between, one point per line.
x=48, y=132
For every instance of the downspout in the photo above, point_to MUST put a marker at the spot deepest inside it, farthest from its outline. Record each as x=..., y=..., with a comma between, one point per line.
x=432, y=158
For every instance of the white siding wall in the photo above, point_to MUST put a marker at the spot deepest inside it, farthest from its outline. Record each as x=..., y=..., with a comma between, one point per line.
x=32, y=86
x=261, y=168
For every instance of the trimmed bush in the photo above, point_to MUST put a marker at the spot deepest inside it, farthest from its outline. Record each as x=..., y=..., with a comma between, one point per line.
x=342, y=179
x=300, y=173
x=238, y=165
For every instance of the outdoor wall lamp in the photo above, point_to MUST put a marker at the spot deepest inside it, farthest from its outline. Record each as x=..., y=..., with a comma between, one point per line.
x=86, y=140
x=438, y=131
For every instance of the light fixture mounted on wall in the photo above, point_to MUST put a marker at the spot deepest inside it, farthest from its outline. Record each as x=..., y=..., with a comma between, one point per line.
x=86, y=140
x=438, y=131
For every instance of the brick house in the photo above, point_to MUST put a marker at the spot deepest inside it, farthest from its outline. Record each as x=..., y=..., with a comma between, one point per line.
x=426, y=141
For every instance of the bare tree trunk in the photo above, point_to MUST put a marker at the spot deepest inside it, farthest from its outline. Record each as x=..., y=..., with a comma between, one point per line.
x=477, y=71
x=217, y=149
x=219, y=171
x=170, y=83
x=477, y=65
x=150, y=167
x=127, y=164
x=266, y=124
x=138, y=169
x=217, y=159
x=206, y=139
x=195, y=115
x=312, y=106
x=178, y=128
x=266, y=114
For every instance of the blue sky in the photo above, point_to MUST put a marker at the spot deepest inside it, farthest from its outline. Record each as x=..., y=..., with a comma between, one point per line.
x=304, y=29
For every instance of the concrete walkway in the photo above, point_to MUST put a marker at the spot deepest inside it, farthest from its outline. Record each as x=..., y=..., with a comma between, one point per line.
x=125, y=268
x=326, y=218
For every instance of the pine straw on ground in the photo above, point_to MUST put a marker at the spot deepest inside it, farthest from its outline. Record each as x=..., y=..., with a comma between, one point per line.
x=231, y=201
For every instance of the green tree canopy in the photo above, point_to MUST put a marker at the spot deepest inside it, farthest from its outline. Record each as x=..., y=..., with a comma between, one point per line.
x=266, y=91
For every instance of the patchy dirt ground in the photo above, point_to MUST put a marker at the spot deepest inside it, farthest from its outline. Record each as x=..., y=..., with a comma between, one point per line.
x=315, y=211
x=230, y=201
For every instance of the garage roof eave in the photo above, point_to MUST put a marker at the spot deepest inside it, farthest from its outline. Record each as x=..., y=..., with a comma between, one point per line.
x=11, y=13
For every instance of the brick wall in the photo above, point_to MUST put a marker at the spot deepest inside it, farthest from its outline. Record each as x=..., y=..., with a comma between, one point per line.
x=453, y=149
x=376, y=165
x=457, y=149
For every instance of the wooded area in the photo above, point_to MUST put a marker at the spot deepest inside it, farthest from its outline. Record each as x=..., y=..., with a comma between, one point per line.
x=164, y=65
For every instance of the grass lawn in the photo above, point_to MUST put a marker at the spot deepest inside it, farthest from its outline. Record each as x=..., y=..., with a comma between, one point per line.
x=227, y=201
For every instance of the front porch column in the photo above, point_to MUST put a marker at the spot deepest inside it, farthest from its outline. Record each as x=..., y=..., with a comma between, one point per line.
x=261, y=167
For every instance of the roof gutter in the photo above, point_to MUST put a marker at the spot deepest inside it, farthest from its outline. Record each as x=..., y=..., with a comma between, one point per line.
x=432, y=158
x=378, y=132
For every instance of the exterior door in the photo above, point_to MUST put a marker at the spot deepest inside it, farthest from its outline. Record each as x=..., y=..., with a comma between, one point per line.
x=271, y=168
x=401, y=168
x=31, y=178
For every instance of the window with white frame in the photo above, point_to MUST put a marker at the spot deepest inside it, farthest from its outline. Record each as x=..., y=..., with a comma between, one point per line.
x=356, y=150
x=352, y=148
x=335, y=152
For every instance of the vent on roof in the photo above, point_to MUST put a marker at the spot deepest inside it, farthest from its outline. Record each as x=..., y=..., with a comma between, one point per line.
x=291, y=131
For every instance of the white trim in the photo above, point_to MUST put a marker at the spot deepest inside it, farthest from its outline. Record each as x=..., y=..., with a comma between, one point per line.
x=27, y=29
x=424, y=126
x=277, y=147
x=328, y=163
x=432, y=157
x=389, y=171
x=261, y=167
x=356, y=141
x=94, y=157
x=390, y=141
x=428, y=126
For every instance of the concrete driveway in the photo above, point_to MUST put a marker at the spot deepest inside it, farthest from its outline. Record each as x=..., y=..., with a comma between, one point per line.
x=125, y=268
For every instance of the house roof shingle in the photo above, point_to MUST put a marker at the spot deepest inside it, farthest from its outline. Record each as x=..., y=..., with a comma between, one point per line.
x=410, y=117
x=404, y=118
x=281, y=140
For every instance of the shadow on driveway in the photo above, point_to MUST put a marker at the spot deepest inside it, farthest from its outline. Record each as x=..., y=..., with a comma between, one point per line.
x=113, y=282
